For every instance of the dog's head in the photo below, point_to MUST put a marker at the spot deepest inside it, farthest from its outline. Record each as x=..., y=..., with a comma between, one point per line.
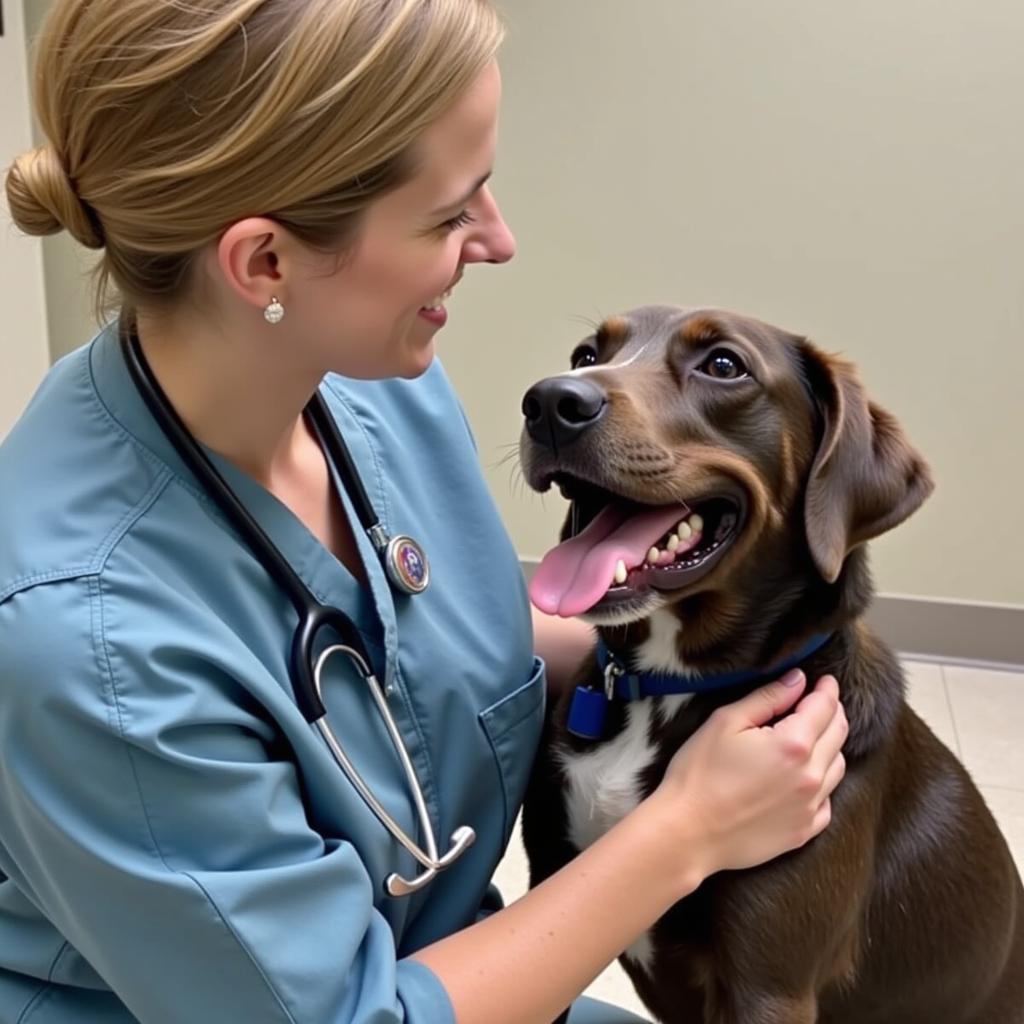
x=670, y=414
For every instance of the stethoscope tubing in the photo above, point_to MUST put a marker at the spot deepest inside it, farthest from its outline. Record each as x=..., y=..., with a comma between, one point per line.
x=305, y=672
x=461, y=837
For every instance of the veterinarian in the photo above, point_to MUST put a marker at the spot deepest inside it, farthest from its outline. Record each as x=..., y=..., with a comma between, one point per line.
x=282, y=196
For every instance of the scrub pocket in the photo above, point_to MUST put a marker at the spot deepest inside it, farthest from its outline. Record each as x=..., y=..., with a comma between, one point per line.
x=513, y=727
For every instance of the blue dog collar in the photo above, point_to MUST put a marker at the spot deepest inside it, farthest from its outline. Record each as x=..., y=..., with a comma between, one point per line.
x=589, y=706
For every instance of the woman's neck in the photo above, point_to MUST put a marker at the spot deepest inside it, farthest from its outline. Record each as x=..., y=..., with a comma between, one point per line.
x=239, y=393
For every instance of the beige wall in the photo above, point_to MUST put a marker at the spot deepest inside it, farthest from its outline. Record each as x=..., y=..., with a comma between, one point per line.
x=851, y=171
x=22, y=314
x=66, y=264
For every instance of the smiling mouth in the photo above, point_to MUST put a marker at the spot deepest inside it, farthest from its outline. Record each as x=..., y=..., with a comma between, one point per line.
x=434, y=305
x=618, y=550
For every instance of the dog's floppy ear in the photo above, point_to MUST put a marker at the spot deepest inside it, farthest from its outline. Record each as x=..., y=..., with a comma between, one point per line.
x=865, y=478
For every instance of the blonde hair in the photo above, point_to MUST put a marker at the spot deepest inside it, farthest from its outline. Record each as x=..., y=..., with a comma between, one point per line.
x=169, y=120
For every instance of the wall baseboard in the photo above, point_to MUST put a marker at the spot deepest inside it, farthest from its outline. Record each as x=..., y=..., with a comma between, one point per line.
x=955, y=632
x=932, y=629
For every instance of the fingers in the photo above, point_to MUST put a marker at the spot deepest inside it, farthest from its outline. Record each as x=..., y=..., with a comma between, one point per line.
x=827, y=764
x=829, y=750
x=827, y=685
x=833, y=776
x=831, y=740
x=768, y=702
x=803, y=729
x=821, y=818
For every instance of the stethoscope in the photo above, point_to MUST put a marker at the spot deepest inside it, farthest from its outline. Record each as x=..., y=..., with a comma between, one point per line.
x=407, y=570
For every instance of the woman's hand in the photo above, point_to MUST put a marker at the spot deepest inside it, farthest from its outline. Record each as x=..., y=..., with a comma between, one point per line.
x=738, y=793
x=752, y=791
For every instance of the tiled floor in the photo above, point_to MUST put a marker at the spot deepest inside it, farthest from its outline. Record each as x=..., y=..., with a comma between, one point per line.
x=977, y=713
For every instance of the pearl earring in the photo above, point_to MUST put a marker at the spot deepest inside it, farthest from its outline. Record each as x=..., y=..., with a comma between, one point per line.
x=274, y=313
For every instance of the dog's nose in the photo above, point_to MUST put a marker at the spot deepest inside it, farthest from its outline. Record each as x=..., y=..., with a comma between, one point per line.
x=558, y=410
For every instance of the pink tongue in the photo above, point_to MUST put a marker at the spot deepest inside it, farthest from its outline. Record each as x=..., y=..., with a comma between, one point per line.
x=575, y=575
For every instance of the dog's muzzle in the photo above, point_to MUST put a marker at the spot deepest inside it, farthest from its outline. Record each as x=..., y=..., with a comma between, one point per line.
x=621, y=549
x=559, y=410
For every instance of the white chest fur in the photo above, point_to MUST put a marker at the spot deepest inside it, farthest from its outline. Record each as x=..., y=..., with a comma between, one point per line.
x=603, y=784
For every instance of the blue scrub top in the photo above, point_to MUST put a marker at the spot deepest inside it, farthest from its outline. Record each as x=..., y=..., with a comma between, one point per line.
x=176, y=843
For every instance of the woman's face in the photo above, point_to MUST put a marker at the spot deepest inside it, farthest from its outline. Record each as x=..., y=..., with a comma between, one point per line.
x=378, y=314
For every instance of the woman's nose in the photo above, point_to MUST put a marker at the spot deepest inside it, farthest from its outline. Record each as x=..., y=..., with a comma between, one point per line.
x=493, y=242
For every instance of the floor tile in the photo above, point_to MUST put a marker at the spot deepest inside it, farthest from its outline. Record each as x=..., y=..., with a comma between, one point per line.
x=926, y=693
x=1008, y=807
x=988, y=714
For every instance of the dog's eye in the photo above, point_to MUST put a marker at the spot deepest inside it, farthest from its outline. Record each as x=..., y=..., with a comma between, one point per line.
x=583, y=356
x=723, y=365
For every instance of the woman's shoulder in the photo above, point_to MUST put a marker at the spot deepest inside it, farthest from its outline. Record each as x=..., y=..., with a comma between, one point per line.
x=71, y=480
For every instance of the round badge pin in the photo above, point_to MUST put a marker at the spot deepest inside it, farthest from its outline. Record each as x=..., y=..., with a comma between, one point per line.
x=407, y=565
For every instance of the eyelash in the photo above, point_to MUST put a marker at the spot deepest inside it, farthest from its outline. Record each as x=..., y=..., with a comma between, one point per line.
x=458, y=221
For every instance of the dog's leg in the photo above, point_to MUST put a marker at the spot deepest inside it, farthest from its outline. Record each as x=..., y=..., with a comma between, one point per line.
x=787, y=930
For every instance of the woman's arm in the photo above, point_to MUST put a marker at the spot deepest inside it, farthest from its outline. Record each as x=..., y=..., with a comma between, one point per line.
x=528, y=962
x=737, y=794
x=563, y=644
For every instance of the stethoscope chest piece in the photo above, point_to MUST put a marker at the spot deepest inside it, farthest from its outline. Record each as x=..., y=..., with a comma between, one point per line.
x=406, y=565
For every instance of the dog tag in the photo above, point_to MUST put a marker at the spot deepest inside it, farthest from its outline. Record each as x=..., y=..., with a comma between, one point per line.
x=587, y=713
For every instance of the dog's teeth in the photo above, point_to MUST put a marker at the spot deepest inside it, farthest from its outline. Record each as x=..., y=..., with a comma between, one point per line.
x=684, y=530
x=620, y=571
x=653, y=555
x=696, y=522
x=673, y=542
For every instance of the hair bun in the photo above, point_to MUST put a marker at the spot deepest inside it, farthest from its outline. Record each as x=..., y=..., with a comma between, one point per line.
x=43, y=201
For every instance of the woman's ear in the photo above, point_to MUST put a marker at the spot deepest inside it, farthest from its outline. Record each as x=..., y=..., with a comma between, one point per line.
x=251, y=257
x=866, y=477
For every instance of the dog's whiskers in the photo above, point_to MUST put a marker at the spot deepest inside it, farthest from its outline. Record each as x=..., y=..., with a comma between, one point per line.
x=587, y=321
x=512, y=452
x=516, y=480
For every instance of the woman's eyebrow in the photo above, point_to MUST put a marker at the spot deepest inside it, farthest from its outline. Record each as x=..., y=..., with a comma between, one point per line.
x=462, y=200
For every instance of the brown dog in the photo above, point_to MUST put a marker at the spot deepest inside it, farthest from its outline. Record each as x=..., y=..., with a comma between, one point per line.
x=908, y=908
